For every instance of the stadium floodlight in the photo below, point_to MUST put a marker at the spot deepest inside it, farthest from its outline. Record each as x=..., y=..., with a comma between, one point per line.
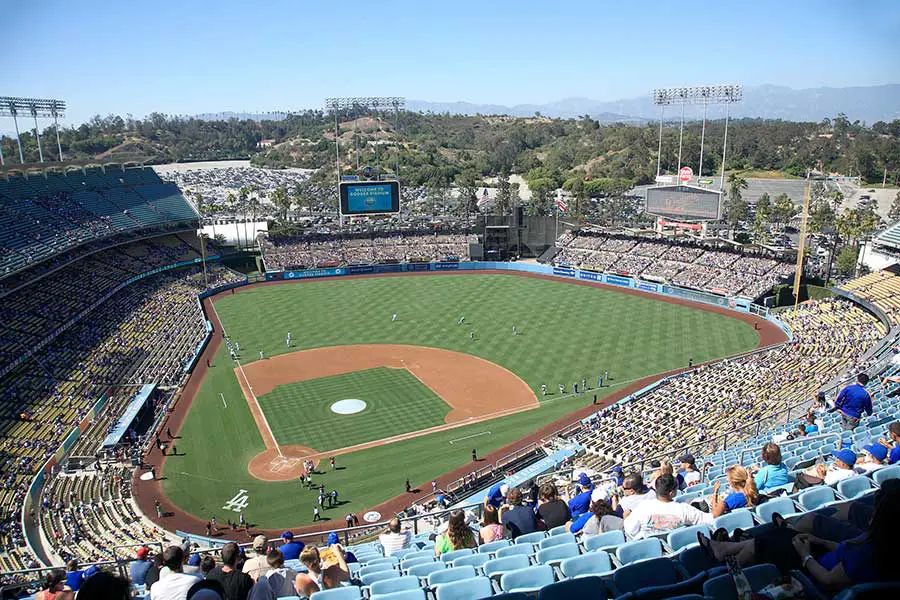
x=702, y=94
x=11, y=106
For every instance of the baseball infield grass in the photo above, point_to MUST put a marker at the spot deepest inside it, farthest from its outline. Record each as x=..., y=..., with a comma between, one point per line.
x=396, y=402
x=565, y=332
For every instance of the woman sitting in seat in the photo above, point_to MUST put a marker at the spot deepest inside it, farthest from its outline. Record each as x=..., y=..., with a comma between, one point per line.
x=491, y=529
x=774, y=473
x=457, y=536
x=743, y=492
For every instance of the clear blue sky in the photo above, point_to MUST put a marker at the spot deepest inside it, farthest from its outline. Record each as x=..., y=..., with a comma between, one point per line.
x=196, y=56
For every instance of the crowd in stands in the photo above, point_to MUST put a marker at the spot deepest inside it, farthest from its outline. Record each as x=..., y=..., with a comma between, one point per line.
x=323, y=251
x=686, y=264
x=43, y=216
x=881, y=288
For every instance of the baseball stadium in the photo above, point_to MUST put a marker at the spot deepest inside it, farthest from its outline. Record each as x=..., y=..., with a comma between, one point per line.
x=333, y=371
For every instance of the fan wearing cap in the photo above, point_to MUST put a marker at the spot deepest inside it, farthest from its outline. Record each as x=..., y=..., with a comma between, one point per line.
x=497, y=494
x=140, y=565
x=873, y=458
x=689, y=473
x=291, y=549
x=841, y=468
x=52, y=588
x=258, y=565
x=892, y=443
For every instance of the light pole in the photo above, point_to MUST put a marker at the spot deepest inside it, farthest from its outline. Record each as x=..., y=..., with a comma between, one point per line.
x=37, y=107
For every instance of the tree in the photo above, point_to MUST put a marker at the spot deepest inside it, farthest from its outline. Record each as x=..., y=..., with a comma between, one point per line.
x=282, y=201
x=467, y=184
x=736, y=208
x=541, y=196
x=761, y=220
x=579, y=193
x=821, y=217
x=894, y=212
x=736, y=183
x=231, y=202
x=503, y=203
x=846, y=261
x=784, y=209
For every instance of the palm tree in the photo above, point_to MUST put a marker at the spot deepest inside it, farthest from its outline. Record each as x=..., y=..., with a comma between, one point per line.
x=243, y=194
x=231, y=206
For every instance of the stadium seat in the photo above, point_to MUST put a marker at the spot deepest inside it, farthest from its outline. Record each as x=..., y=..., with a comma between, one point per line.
x=389, y=586
x=605, y=540
x=492, y=547
x=453, y=574
x=639, y=550
x=563, y=538
x=529, y=579
x=574, y=589
x=885, y=473
x=466, y=589
x=783, y=506
x=722, y=586
x=556, y=554
x=420, y=554
x=363, y=571
x=530, y=538
x=416, y=594
x=654, y=572
x=341, y=593
x=592, y=563
x=520, y=550
x=870, y=591
x=854, y=487
x=371, y=578
x=510, y=596
x=684, y=536
x=423, y=571
x=558, y=530
x=474, y=560
x=816, y=497
x=454, y=554
x=687, y=498
x=408, y=563
x=497, y=567
x=741, y=517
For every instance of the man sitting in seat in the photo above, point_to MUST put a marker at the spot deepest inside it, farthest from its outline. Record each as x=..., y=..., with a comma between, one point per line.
x=393, y=540
x=690, y=473
x=874, y=457
x=662, y=513
x=892, y=443
x=634, y=492
x=841, y=468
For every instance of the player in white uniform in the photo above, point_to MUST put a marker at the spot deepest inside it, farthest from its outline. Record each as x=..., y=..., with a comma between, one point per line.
x=393, y=317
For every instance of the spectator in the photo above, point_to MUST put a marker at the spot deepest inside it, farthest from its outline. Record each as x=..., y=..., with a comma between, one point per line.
x=874, y=458
x=580, y=502
x=393, y=540
x=280, y=581
x=457, y=536
x=517, y=519
x=774, y=473
x=743, y=492
x=634, y=492
x=105, y=586
x=841, y=468
x=497, y=494
x=192, y=567
x=551, y=509
x=258, y=565
x=811, y=427
x=207, y=564
x=206, y=589
x=491, y=529
x=662, y=513
x=154, y=571
x=690, y=474
x=74, y=575
x=601, y=518
x=853, y=401
x=892, y=443
x=236, y=583
x=53, y=587
x=290, y=549
x=326, y=570
x=140, y=565
x=173, y=584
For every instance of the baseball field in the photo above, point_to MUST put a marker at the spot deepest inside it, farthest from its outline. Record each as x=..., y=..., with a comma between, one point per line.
x=407, y=397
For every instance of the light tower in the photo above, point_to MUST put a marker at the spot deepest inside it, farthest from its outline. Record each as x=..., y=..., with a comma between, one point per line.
x=11, y=106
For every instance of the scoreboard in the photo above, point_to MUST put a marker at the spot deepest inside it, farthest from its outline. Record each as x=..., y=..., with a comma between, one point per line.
x=369, y=197
x=684, y=202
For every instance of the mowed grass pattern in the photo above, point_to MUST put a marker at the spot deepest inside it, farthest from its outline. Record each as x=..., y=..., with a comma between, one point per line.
x=396, y=402
x=565, y=332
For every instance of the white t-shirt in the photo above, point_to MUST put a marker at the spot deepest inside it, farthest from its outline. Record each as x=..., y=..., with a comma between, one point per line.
x=654, y=516
x=691, y=477
x=393, y=542
x=630, y=502
x=867, y=467
x=832, y=476
x=172, y=586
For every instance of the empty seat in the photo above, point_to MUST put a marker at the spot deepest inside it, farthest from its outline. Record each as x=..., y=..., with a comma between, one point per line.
x=520, y=550
x=493, y=546
x=604, y=540
x=558, y=530
x=453, y=554
x=465, y=589
x=371, y=578
x=385, y=560
x=639, y=550
x=408, y=563
x=365, y=570
x=885, y=473
x=592, y=563
x=474, y=560
x=453, y=574
x=529, y=579
x=416, y=594
x=420, y=554
x=389, y=586
x=530, y=538
x=557, y=540
x=341, y=593
x=742, y=518
x=423, y=571
x=655, y=572
x=684, y=536
x=695, y=560
x=783, y=506
x=556, y=554
x=854, y=487
x=499, y=566
x=816, y=497
x=572, y=589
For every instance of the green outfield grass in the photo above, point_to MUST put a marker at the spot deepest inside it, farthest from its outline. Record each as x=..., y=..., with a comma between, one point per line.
x=388, y=393
x=566, y=332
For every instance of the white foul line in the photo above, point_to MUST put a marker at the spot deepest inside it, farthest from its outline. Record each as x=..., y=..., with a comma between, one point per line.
x=223, y=400
x=470, y=436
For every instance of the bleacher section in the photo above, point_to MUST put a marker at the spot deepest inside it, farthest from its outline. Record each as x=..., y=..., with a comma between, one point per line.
x=881, y=288
x=43, y=215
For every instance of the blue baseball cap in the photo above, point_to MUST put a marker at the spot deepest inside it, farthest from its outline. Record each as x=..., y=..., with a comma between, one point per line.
x=846, y=456
x=287, y=535
x=91, y=571
x=878, y=451
x=333, y=538
x=194, y=560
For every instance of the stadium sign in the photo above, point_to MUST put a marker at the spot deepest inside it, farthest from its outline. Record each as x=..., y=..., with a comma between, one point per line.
x=684, y=203
x=667, y=179
x=685, y=174
x=369, y=197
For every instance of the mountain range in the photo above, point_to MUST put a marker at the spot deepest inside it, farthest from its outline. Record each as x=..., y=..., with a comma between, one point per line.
x=863, y=103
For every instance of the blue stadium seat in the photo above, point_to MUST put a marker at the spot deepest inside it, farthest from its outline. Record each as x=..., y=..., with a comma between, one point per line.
x=520, y=550
x=592, y=563
x=639, y=550
x=885, y=473
x=439, y=578
x=510, y=596
x=341, y=593
x=408, y=563
x=420, y=554
x=416, y=594
x=466, y=589
x=558, y=530
x=758, y=576
x=389, y=586
x=371, y=578
x=562, y=538
x=556, y=554
x=453, y=554
x=530, y=538
x=816, y=497
x=685, y=536
x=474, y=560
x=492, y=547
x=605, y=540
x=854, y=487
x=741, y=517
x=655, y=572
x=576, y=589
x=783, y=506
x=529, y=579
x=689, y=497
x=497, y=567
x=367, y=569
x=423, y=571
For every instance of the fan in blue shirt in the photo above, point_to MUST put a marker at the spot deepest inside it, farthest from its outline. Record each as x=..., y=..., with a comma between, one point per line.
x=854, y=400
